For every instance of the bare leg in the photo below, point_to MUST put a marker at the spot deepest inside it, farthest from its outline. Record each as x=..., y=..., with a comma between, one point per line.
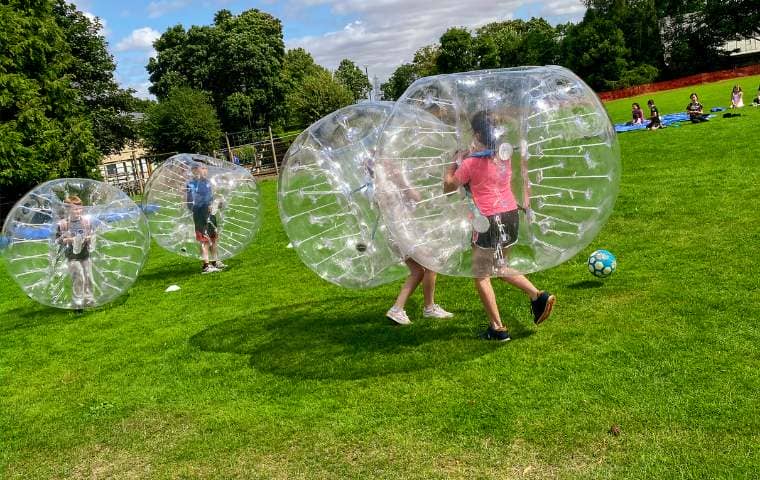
x=204, y=252
x=416, y=274
x=87, y=271
x=488, y=298
x=522, y=282
x=214, y=256
x=428, y=287
x=77, y=281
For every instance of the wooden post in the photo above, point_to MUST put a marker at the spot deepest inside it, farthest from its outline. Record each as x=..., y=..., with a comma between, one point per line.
x=229, y=149
x=274, y=154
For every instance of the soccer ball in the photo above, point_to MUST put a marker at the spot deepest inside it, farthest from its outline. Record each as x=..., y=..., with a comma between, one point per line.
x=602, y=263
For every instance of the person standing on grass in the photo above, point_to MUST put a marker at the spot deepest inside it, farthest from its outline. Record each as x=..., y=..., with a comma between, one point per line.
x=199, y=199
x=695, y=110
x=75, y=236
x=417, y=274
x=487, y=171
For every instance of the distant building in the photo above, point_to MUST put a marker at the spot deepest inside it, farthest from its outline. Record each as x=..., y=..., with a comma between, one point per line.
x=744, y=52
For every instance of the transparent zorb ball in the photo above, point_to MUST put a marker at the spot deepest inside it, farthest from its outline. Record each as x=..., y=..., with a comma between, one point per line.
x=229, y=210
x=75, y=243
x=326, y=199
x=539, y=187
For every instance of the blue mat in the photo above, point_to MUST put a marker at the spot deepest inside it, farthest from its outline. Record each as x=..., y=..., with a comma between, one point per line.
x=666, y=120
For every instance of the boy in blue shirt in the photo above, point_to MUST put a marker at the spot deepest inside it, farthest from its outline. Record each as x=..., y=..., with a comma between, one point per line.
x=199, y=199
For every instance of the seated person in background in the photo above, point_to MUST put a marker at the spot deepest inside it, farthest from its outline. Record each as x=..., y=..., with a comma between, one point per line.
x=737, y=100
x=695, y=110
x=638, y=114
x=654, y=116
x=756, y=100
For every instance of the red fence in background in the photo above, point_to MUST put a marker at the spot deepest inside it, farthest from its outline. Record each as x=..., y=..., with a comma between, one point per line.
x=681, y=82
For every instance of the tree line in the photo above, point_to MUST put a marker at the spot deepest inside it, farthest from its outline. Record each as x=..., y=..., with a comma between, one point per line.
x=617, y=44
x=61, y=109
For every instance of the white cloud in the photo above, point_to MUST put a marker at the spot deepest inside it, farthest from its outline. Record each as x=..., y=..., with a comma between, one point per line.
x=162, y=7
x=104, y=30
x=139, y=40
x=387, y=33
x=141, y=90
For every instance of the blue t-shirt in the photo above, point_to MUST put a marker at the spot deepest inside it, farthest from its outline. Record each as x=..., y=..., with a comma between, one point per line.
x=199, y=193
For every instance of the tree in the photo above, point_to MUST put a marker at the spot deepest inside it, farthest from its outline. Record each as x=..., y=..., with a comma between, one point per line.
x=426, y=61
x=506, y=37
x=399, y=81
x=595, y=50
x=733, y=19
x=456, y=53
x=239, y=55
x=351, y=77
x=92, y=73
x=692, y=46
x=184, y=121
x=44, y=130
x=539, y=44
x=297, y=65
x=318, y=95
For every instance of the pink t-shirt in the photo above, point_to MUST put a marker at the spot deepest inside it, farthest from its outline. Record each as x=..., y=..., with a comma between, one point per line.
x=489, y=183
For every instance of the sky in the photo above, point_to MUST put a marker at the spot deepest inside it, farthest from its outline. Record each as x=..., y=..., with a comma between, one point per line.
x=377, y=35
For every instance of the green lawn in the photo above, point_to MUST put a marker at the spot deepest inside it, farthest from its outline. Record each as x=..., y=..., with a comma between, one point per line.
x=711, y=95
x=266, y=371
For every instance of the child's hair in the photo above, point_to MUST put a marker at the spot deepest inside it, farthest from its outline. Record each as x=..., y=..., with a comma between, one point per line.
x=650, y=102
x=636, y=105
x=73, y=200
x=693, y=94
x=483, y=128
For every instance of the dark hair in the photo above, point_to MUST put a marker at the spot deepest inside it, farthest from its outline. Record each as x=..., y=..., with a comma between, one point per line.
x=694, y=94
x=650, y=102
x=636, y=105
x=483, y=128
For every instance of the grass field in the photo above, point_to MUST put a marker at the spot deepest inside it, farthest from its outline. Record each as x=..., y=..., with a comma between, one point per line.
x=266, y=371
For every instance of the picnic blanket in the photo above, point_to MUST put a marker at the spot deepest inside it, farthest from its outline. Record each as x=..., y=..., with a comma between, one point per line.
x=667, y=119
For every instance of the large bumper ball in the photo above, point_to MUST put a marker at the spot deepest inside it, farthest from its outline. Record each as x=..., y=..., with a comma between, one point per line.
x=192, y=198
x=531, y=165
x=326, y=199
x=75, y=243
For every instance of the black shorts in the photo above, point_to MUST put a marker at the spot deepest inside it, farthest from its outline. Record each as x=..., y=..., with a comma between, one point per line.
x=502, y=231
x=205, y=224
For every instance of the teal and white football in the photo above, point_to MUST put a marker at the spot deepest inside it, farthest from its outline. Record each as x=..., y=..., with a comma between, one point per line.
x=602, y=263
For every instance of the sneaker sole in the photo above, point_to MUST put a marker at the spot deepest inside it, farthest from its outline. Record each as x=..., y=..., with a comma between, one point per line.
x=485, y=336
x=436, y=316
x=397, y=322
x=547, y=309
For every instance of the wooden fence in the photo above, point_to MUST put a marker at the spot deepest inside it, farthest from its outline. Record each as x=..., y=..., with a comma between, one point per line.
x=262, y=155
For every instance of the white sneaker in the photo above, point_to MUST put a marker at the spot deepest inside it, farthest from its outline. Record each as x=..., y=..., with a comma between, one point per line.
x=435, y=311
x=398, y=315
x=219, y=265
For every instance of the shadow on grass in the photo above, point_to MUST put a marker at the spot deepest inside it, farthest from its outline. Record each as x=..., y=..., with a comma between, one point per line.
x=36, y=316
x=172, y=273
x=586, y=284
x=324, y=340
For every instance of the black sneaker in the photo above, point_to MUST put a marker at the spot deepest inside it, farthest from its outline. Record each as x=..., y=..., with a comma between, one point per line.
x=542, y=306
x=498, y=334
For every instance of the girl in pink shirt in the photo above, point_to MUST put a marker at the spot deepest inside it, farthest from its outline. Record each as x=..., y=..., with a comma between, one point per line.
x=487, y=172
